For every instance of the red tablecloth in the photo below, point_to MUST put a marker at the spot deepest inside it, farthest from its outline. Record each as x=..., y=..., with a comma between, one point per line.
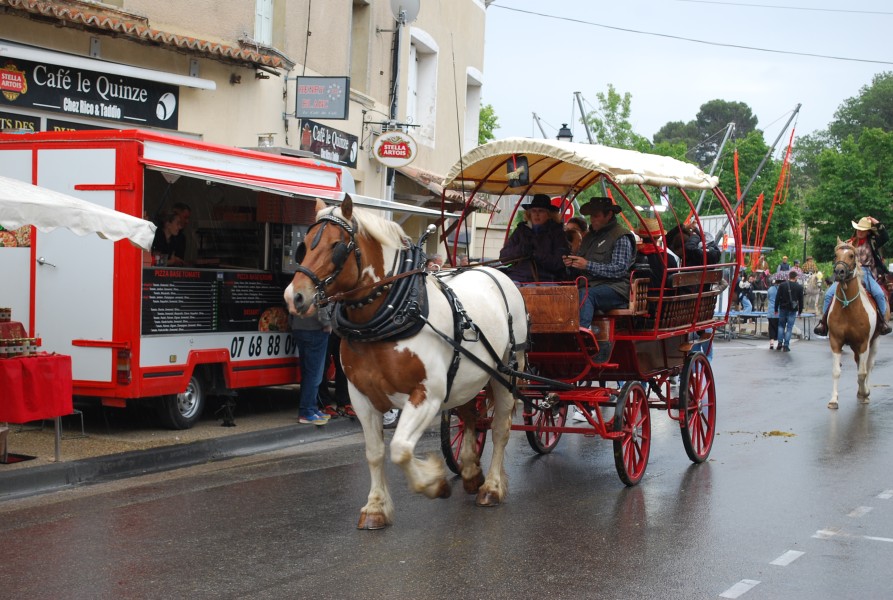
x=35, y=387
x=11, y=329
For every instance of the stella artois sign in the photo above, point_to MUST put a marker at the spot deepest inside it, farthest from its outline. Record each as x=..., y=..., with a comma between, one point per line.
x=12, y=82
x=395, y=149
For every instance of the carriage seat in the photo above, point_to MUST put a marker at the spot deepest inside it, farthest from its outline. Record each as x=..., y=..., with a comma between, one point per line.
x=638, y=300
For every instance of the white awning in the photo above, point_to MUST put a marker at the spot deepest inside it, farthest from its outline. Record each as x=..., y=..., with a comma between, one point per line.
x=25, y=204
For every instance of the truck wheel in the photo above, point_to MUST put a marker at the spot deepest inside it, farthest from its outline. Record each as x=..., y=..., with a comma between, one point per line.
x=183, y=410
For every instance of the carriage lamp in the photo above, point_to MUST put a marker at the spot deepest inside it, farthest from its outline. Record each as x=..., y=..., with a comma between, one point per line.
x=565, y=134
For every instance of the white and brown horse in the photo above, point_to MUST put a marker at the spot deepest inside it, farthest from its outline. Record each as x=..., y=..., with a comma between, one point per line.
x=347, y=252
x=852, y=320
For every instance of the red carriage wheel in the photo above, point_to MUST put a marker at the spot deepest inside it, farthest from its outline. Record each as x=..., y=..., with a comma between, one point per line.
x=632, y=419
x=697, y=399
x=546, y=412
x=452, y=432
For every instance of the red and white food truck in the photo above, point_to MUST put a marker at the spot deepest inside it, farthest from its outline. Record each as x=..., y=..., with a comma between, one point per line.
x=168, y=335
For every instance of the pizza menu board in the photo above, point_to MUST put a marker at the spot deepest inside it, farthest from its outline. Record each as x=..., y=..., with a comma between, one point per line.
x=200, y=300
x=248, y=302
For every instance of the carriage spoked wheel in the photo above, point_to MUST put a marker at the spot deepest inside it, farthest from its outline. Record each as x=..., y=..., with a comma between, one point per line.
x=633, y=420
x=697, y=410
x=452, y=432
x=545, y=412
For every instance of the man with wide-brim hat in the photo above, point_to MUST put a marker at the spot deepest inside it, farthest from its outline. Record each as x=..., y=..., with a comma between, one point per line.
x=870, y=235
x=535, y=251
x=604, y=259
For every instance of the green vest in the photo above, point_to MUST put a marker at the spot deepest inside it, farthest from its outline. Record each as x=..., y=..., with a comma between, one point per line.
x=598, y=246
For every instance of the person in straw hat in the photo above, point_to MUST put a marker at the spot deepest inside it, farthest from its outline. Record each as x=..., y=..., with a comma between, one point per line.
x=870, y=235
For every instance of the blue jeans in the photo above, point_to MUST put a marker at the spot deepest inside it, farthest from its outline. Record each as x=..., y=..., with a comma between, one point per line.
x=746, y=304
x=786, y=320
x=870, y=283
x=601, y=298
x=313, y=350
x=705, y=347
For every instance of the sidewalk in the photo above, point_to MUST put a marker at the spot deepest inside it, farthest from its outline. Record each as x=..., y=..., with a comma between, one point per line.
x=123, y=443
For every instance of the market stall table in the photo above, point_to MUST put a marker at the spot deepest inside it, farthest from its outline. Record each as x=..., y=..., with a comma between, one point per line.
x=34, y=388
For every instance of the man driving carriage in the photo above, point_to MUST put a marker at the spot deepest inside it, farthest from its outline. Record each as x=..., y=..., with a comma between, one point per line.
x=870, y=235
x=604, y=259
x=537, y=246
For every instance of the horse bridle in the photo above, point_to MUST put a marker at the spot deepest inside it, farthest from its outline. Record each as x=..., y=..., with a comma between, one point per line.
x=340, y=253
x=849, y=273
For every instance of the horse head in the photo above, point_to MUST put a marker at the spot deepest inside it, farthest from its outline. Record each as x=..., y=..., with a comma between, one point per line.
x=344, y=252
x=323, y=258
x=845, y=264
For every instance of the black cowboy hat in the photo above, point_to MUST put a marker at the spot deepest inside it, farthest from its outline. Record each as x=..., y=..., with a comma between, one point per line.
x=599, y=204
x=540, y=201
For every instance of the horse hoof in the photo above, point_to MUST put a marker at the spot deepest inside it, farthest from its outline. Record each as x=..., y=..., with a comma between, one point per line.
x=487, y=498
x=832, y=405
x=444, y=490
x=474, y=484
x=863, y=400
x=372, y=521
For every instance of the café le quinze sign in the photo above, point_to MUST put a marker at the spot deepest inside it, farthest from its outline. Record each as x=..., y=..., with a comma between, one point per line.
x=77, y=92
x=395, y=149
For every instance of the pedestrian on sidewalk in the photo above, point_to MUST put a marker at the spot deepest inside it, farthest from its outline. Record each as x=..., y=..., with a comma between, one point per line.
x=790, y=304
x=772, y=308
x=311, y=335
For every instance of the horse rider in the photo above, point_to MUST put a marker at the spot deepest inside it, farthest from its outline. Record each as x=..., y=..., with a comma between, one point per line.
x=869, y=237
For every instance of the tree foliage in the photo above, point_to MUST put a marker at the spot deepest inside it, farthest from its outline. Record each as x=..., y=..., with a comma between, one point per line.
x=871, y=108
x=610, y=124
x=488, y=122
x=854, y=180
x=704, y=134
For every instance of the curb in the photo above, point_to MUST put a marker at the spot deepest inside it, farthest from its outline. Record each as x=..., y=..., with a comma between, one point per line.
x=22, y=483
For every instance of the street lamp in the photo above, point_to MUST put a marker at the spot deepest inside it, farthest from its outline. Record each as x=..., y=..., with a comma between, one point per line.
x=565, y=134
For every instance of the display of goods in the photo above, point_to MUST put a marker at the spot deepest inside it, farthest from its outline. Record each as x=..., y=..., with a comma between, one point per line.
x=8, y=239
x=23, y=236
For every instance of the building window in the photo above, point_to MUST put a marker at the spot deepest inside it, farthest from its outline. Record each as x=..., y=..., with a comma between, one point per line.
x=361, y=23
x=474, y=79
x=263, y=22
x=421, y=93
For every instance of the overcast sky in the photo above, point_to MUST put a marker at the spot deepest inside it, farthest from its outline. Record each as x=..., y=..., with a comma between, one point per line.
x=535, y=63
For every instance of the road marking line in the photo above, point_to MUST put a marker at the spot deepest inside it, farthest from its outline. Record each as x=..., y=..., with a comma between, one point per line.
x=827, y=534
x=860, y=511
x=885, y=495
x=787, y=558
x=740, y=588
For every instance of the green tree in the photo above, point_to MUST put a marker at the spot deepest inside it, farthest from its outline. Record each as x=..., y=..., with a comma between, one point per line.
x=854, y=180
x=488, y=122
x=703, y=135
x=610, y=125
x=871, y=108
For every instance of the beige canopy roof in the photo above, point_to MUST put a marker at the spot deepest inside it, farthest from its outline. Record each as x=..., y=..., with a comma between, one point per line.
x=557, y=167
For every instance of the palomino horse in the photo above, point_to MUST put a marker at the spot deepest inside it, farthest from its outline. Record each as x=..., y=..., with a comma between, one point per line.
x=852, y=320
x=422, y=349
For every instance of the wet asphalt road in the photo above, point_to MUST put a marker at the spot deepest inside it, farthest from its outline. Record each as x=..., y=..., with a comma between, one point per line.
x=786, y=476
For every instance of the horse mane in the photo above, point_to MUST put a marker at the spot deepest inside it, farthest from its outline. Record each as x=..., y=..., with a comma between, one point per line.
x=387, y=233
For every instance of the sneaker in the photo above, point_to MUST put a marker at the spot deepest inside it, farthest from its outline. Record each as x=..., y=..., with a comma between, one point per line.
x=312, y=419
x=780, y=348
x=579, y=416
x=323, y=416
x=772, y=345
x=390, y=418
x=786, y=349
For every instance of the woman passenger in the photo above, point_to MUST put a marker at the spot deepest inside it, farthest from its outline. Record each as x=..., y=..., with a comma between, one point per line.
x=536, y=249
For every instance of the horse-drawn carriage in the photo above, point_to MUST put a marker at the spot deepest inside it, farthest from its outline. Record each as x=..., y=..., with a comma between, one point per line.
x=459, y=342
x=624, y=366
